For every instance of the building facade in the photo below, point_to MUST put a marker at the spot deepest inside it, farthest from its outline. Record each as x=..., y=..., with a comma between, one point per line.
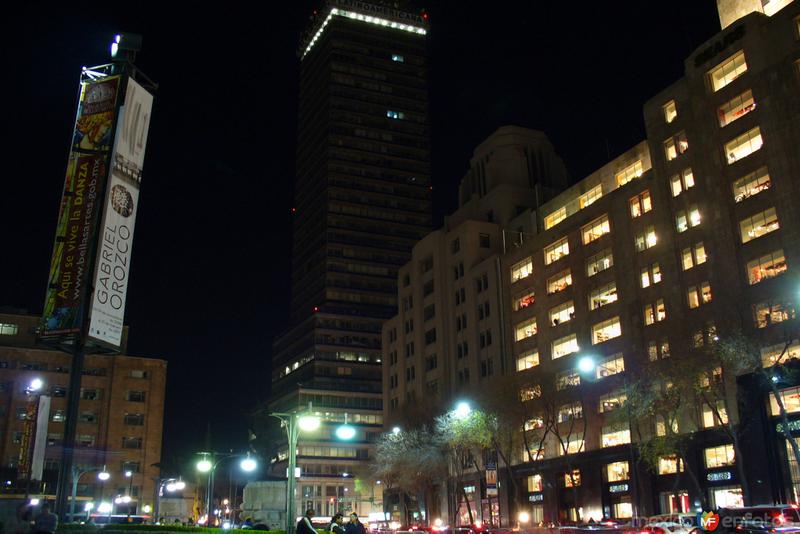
x=362, y=199
x=688, y=238
x=121, y=414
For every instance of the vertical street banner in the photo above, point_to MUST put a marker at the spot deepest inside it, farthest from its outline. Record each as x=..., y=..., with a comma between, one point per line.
x=87, y=169
x=115, y=240
x=491, y=479
x=40, y=437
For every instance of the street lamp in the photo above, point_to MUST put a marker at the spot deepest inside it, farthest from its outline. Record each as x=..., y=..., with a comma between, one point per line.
x=586, y=364
x=170, y=484
x=462, y=411
x=77, y=473
x=129, y=475
x=208, y=464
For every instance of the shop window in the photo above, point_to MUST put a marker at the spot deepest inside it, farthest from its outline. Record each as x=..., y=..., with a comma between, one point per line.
x=629, y=173
x=758, y=225
x=736, y=108
x=528, y=359
x=727, y=497
x=790, y=398
x=565, y=345
x=751, y=184
x=522, y=269
x=556, y=251
x=670, y=111
x=599, y=262
x=682, y=181
x=606, y=330
x=743, y=145
x=573, y=479
x=8, y=329
x=559, y=282
x=727, y=71
x=617, y=471
x=669, y=465
x=615, y=434
x=595, y=229
x=534, y=483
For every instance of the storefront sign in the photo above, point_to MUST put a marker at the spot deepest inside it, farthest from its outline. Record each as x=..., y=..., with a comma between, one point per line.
x=618, y=488
x=794, y=426
x=536, y=497
x=716, y=477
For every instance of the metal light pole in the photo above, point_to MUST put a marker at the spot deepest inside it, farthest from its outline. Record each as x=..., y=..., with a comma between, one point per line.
x=165, y=483
x=77, y=473
x=205, y=465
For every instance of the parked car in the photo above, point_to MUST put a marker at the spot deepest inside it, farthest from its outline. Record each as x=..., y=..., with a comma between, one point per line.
x=665, y=527
x=765, y=527
x=774, y=515
x=688, y=520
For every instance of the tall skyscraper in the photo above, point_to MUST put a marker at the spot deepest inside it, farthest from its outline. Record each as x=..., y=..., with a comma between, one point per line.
x=362, y=200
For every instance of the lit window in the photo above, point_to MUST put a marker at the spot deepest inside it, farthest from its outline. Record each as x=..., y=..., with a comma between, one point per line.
x=780, y=353
x=790, y=398
x=556, y=251
x=524, y=299
x=603, y=295
x=698, y=295
x=744, y=145
x=640, y=204
x=616, y=434
x=559, y=282
x=395, y=114
x=398, y=58
x=591, y=196
x=684, y=221
x=599, y=262
x=522, y=269
x=573, y=479
x=8, y=329
x=650, y=275
x=562, y=313
x=528, y=359
x=610, y=366
x=655, y=312
x=752, y=184
x=568, y=412
x=611, y=402
x=670, y=111
x=736, y=108
x=530, y=393
x=617, y=471
x=555, y=218
x=675, y=146
x=567, y=379
x=759, y=224
x=768, y=313
x=629, y=173
x=657, y=350
x=722, y=456
x=606, y=330
x=727, y=71
x=573, y=446
x=692, y=256
x=714, y=415
x=765, y=267
x=534, y=483
x=682, y=181
x=565, y=345
x=645, y=239
x=595, y=229
x=526, y=329
x=661, y=426
x=533, y=424
x=669, y=465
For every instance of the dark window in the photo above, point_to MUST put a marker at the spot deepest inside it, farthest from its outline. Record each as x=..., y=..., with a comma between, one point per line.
x=429, y=312
x=87, y=417
x=90, y=394
x=483, y=240
x=58, y=391
x=136, y=396
x=430, y=336
x=455, y=245
x=431, y=362
x=131, y=443
x=133, y=467
x=134, y=419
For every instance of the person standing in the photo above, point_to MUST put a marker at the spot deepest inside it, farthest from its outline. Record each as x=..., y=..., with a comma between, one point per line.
x=337, y=524
x=355, y=526
x=304, y=526
x=46, y=522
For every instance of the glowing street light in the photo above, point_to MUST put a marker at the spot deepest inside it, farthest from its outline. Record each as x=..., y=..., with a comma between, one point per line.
x=308, y=423
x=204, y=465
x=248, y=464
x=524, y=517
x=586, y=364
x=463, y=409
x=396, y=430
x=35, y=385
x=103, y=475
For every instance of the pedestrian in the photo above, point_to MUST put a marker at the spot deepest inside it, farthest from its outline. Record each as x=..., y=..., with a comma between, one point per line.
x=304, y=526
x=21, y=522
x=355, y=526
x=46, y=522
x=336, y=524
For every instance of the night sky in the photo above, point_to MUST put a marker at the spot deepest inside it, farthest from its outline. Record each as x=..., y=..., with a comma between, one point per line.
x=210, y=268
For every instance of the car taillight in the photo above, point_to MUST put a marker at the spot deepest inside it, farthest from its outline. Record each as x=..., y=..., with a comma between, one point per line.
x=739, y=527
x=781, y=518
